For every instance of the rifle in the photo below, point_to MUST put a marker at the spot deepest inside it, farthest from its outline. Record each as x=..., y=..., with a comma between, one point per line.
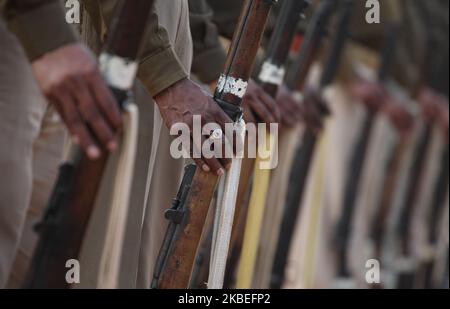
x=402, y=224
x=379, y=223
x=386, y=232
x=240, y=219
x=71, y=204
x=300, y=168
x=271, y=76
x=357, y=160
x=425, y=273
x=398, y=156
x=200, y=272
x=174, y=268
x=405, y=276
x=437, y=205
x=272, y=72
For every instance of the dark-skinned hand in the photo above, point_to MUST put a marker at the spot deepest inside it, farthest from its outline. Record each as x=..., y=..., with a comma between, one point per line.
x=184, y=100
x=70, y=79
x=429, y=103
x=434, y=109
x=259, y=106
x=371, y=94
x=315, y=109
x=402, y=120
x=290, y=108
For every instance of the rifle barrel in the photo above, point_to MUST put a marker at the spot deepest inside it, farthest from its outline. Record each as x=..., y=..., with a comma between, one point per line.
x=305, y=154
x=71, y=203
x=177, y=268
x=358, y=159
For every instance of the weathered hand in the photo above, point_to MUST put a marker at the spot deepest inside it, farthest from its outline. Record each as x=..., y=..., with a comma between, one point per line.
x=429, y=103
x=290, y=108
x=70, y=79
x=259, y=106
x=314, y=110
x=184, y=100
x=434, y=109
x=369, y=93
x=402, y=120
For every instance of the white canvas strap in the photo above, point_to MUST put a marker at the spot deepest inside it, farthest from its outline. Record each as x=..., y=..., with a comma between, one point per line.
x=224, y=218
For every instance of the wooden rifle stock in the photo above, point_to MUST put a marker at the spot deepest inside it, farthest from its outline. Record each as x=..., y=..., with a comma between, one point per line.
x=380, y=220
x=240, y=218
x=175, y=215
x=437, y=205
x=351, y=189
x=357, y=160
x=277, y=53
x=379, y=224
x=280, y=44
x=71, y=204
x=175, y=270
x=406, y=278
x=271, y=76
x=300, y=167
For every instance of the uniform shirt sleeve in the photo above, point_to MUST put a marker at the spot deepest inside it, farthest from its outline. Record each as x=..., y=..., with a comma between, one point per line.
x=159, y=67
x=39, y=24
x=209, y=54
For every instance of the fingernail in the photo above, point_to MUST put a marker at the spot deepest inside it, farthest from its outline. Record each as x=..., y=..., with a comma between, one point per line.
x=112, y=146
x=93, y=152
x=206, y=168
x=220, y=172
x=76, y=140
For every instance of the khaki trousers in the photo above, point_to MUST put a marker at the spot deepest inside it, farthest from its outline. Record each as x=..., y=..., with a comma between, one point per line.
x=156, y=175
x=164, y=172
x=31, y=144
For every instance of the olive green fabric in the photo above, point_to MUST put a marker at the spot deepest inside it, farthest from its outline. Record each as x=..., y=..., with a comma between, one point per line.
x=226, y=15
x=372, y=35
x=213, y=19
x=434, y=16
x=421, y=52
x=209, y=54
x=160, y=67
x=39, y=25
x=209, y=21
x=156, y=173
x=409, y=48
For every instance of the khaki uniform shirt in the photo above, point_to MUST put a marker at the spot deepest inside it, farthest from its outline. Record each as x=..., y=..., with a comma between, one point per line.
x=160, y=67
x=211, y=19
x=209, y=54
x=39, y=25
